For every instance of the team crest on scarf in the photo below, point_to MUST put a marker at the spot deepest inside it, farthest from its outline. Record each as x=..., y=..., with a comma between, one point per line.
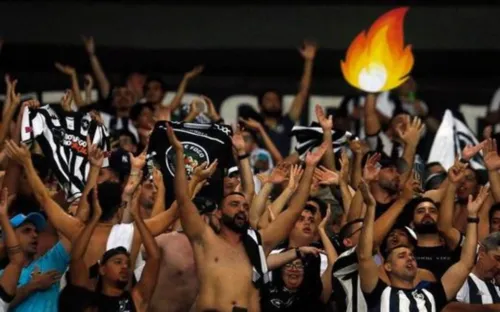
x=194, y=155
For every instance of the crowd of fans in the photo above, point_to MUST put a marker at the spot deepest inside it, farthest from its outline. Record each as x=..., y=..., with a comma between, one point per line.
x=357, y=226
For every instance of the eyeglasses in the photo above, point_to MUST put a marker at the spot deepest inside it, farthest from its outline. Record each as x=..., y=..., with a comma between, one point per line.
x=296, y=266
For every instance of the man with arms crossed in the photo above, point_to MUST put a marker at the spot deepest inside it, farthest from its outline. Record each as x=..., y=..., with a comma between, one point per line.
x=224, y=267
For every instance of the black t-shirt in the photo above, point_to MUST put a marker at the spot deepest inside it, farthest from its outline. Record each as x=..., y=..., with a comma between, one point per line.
x=74, y=298
x=427, y=297
x=437, y=259
x=381, y=208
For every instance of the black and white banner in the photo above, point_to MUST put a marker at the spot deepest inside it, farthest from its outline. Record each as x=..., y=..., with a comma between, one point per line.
x=451, y=138
x=310, y=137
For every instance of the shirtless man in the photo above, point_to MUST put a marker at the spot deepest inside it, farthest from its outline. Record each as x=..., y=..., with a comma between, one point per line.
x=224, y=268
x=70, y=226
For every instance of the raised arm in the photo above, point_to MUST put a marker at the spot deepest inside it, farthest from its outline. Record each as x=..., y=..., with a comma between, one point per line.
x=327, y=126
x=12, y=102
x=308, y=52
x=356, y=168
x=143, y=290
x=410, y=136
x=281, y=227
x=279, y=203
x=68, y=225
x=159, y=204
x=259, y=204
x=243, y=162
x=75, y=88
x=266, y=139
x=192, y=223
x=372, y=122
x=10, y=276
x=445, y=220
x=331, y=254
x=386, y=221
x=102, y=80
x=176, y=101
x=492, y=162
x=455, y=276
x=96, y=158
x=277, y=260
x=368, y=272
x=79, y=271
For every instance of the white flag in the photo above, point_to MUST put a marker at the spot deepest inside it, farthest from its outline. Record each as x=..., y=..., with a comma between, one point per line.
x=451, y=138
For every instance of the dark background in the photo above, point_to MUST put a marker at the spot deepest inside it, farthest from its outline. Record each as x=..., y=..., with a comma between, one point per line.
x=250, y=46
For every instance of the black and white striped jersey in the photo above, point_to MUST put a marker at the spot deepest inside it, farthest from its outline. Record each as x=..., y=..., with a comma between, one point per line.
x=349, y=296
x=426, y=297
x=477, y=291
x=62, y=137
x=312, y=136
x=202, y=143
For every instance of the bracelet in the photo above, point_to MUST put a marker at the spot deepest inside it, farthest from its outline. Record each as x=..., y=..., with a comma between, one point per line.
x=134, y=173
x=14, y=249
x=472, y=220
x=463, y=161
x=246, y=155
x=298, y=254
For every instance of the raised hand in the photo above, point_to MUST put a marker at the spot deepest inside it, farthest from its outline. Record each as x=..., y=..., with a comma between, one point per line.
x=194, y=72
x=278, y=175
x=324, y=222
x=89, y=44
x=204, y=172
x=15, y=98
x=313, y=158
x=457, y=173
x=251, y=124
x=344, y=169
x=411, y=185
x=294, y=177
x=139, y=161
x=132, y=184
x=157, y=178
x=4, y=202
x=326, y=123
x=135, y=211
x=19, y=154
x=490, y=155
x=95, y=115
x=65, y=69
x=211, y=111
x=325, y=176
x=308, y=50
x=470, y=151
x=413, y=131
x=94, y=154
x=66, y=100
x=356, y=147
x=487, y=132
x=32, y=104
x=367, y=195
x=371, y=169
x=237, y=140
x=474, y=204
x=172, y=138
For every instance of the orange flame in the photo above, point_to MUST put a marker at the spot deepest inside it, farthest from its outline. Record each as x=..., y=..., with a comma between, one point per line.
x=379, y=61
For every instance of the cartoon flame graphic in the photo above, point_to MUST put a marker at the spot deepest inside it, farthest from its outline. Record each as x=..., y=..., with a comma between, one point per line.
x=379, y=61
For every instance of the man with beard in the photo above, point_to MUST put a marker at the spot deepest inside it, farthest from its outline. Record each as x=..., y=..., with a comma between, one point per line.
x=114, y=271
x=278, y=126
x=385, y=185
x=231, y=264
x=402, y=294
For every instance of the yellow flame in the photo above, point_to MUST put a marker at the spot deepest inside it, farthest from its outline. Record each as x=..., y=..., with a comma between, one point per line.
x=379, y=61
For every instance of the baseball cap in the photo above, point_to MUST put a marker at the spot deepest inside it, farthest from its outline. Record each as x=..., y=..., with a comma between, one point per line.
x=205, y=205
x=36, y=218
x=233, y=171
x=119, y=162
x=110, y=253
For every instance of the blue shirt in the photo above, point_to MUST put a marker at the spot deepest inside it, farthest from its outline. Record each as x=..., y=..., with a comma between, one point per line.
x=57, y=258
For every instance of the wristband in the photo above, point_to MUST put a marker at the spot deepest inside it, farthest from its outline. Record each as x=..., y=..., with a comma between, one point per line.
x=297, y=252
x=134, y=173
x=246, y=155
x=472, y=220
x=463, y=161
